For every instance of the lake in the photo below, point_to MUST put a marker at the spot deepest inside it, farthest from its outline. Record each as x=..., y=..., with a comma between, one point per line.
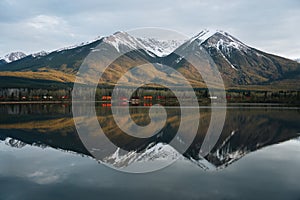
x=256, y=156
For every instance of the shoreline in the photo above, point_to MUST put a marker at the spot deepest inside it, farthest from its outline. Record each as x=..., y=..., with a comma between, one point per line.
x=34, y=102
x=70, y=102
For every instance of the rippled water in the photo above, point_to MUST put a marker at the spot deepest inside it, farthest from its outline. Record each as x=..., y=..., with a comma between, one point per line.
x=256, y=157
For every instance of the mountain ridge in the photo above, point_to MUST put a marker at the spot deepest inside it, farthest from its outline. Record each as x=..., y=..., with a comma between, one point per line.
x=239, y=64
x=13, y=56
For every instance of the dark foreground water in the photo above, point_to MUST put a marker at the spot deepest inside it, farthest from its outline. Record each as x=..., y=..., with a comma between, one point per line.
x=256, y=157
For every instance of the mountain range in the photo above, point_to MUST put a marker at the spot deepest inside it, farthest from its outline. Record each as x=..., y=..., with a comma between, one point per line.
x=240, y=65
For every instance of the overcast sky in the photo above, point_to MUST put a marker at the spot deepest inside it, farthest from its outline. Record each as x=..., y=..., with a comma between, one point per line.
x=32, y=25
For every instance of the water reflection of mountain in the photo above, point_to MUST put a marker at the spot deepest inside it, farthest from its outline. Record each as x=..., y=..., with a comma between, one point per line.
x=246, y=130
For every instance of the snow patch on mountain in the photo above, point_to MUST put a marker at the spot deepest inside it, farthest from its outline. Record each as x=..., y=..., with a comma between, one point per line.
x=14, y=143
x=39, y=54
x=155, y=47
x=160, y=47
x=14, y=56
x=179, y=59
x=221, y=41
x=231, y=65
x=202, y=36
x=233, y=41
x=78, y=45
x=226, y=43
x=226, y=155
x=119, y=39
x=154, y=152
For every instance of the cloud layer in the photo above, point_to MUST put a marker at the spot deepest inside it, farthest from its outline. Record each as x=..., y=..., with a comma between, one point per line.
x=32, y=26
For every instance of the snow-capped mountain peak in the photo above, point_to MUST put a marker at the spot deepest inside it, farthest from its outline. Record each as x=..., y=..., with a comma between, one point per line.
x=151, y=45
x=14, y=143
x=39, y=54
x=152, y=153
x=230, y=41
x=221, y=41
x=13, y=56
x=160, y=47
x=119, y=39
x=202, y=36
x=218, y=39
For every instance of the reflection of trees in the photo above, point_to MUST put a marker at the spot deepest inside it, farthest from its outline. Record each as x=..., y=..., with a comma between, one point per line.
x=245, y=130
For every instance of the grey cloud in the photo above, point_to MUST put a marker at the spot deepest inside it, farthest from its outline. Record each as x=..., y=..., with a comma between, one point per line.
x=267, y=25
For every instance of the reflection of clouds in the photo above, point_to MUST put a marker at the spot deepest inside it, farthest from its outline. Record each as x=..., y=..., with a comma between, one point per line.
x=43, y=177
x=39, y=166
x=289, y=147
x=239, y=181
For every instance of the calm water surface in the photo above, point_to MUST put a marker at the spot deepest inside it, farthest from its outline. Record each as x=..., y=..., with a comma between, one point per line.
x=256, y=157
